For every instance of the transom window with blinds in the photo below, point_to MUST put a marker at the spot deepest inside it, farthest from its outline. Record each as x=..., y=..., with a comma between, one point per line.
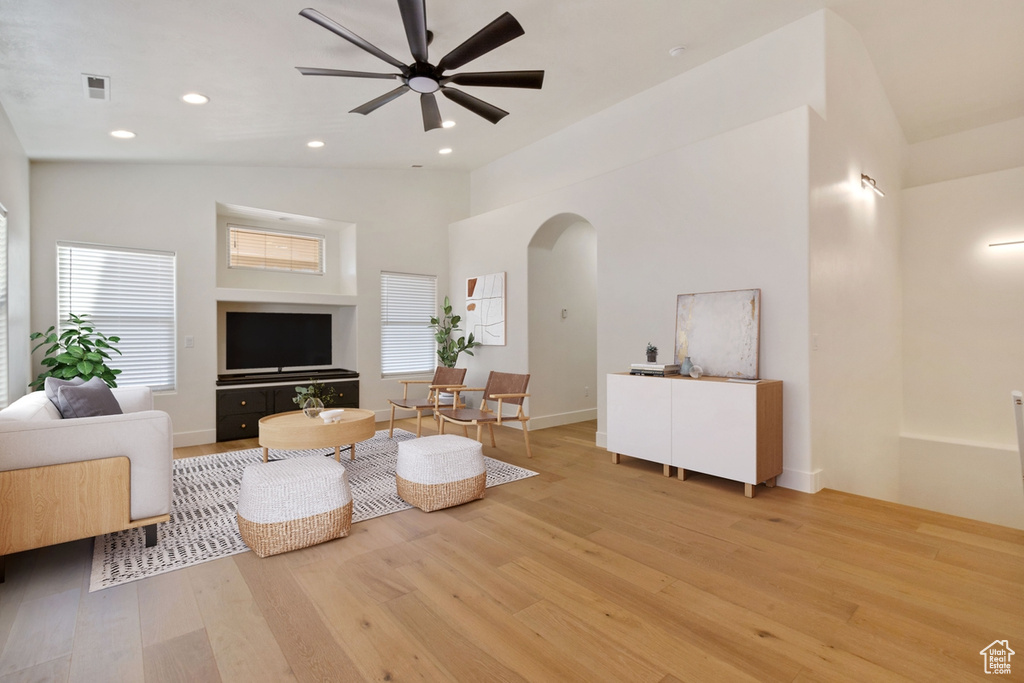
x=407, y=302
x=127, y=293
x=269, y=250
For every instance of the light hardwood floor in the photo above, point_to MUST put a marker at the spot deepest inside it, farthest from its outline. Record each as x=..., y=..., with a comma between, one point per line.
x=588, y=572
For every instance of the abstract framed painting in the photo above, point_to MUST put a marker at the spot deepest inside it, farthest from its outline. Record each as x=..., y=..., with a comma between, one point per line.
x=485, y=308
x=720, y=332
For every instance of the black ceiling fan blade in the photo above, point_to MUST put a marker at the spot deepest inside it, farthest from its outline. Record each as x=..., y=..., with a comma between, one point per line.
x=378, y=102
x=414, y=17
x=431, y=114
x=475, y=105
x=336, y=28
x=498, y=79
x=314, y=71
x=495, y=34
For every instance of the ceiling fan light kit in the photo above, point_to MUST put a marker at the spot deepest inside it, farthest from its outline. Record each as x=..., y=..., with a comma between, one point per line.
x=427, y=79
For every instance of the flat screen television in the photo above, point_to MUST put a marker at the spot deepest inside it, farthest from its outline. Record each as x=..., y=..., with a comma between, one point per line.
x=277, y=340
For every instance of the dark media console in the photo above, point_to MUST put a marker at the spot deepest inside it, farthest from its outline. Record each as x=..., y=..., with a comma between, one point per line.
x=245, y=398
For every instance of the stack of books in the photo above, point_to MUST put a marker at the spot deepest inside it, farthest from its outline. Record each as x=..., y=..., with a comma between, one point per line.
x=653, y=369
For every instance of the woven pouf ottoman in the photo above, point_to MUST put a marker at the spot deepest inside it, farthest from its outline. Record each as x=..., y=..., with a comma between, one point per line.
x=295, y=503
x=437, y=472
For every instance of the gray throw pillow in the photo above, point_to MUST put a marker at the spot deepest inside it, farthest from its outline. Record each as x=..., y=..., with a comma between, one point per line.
x=52, y=384
x=87, y=400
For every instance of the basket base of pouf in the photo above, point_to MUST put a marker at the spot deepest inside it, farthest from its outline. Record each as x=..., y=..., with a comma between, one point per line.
x=280, y=537
x=430, y=497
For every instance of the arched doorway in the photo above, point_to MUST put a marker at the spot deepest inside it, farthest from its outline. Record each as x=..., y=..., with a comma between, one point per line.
x=562, y=293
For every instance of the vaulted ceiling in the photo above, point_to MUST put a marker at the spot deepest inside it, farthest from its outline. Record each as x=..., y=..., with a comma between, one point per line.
x=947, y=65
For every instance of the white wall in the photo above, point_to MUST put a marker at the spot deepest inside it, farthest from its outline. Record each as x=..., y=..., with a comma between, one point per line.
x=964, y=345
x=997, y=147
x=855, y=316
x=401, y=219
x=771, y=75
x=14, y=195
x=729, y=212
x=562, y=275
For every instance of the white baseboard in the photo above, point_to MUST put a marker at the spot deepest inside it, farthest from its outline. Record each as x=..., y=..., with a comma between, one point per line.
x=798, y=480
x=197, y=438
x=560, y=419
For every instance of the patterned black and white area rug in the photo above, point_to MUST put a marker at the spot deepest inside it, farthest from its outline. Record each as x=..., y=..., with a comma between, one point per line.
x=203, y=525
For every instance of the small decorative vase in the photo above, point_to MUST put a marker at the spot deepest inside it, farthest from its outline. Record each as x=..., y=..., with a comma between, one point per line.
x=312, y=407
x=685, y=366
x=652, y=356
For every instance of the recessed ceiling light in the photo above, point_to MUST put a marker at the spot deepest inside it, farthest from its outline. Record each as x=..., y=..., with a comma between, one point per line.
x=195, y=98
x=448, y=124
x=315, y=144
x=445, y=150
x=123, y=134
x=678, y=50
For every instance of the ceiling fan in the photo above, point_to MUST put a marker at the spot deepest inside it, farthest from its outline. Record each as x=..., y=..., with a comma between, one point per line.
x=425, y=78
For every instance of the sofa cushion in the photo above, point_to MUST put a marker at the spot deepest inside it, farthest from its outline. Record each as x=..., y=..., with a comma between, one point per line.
x=52, y=384
x=87, y=400
x=31, y=407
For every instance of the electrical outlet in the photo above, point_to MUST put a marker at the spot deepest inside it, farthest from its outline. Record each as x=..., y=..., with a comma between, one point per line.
x=586, y=392
x=190, y=341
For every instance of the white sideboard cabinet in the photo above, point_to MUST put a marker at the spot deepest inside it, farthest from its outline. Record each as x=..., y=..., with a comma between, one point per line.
x=709, y=425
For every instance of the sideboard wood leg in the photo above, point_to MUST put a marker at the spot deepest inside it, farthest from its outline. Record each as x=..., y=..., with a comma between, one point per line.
x=770, y=483
x=666, y=470
x=616, y=458
x=748, y=490
x=150, y=535
x=681, y=473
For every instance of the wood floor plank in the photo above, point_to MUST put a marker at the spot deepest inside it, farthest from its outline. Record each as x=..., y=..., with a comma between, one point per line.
x=58, y=568
x=108, y=636
x=622, y=626
x=369, y=633
x=606, y=660
x=242, y=642
x=307, y=643
x=43, y=630
x=459, y=656
x=184, y=659
x=167, y=608
x=510, y=594
x=481, y=620
x=908, y=647
x=53, y=671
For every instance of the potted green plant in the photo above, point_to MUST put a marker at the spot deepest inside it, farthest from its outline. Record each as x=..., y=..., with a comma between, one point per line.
x=314, y=398
x=79, y=351
x=448, y=348
x=652, y=353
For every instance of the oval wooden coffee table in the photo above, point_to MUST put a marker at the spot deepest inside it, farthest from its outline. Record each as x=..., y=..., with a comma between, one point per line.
x=294, y=431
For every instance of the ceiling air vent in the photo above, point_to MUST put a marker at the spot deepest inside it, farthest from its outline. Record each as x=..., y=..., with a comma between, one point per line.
x=96, y=87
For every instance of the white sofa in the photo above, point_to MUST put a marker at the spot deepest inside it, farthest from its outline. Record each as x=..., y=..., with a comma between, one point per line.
x=65, y=479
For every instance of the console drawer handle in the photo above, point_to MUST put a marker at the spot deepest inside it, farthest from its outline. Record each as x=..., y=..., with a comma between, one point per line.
x=243, y=403
x=243, y=425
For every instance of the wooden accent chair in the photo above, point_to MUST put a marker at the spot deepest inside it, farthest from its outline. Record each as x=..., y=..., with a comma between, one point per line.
x=445, y=379
x=503, y=387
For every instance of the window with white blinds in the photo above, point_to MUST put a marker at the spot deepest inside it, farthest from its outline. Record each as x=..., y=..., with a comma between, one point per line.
x=407, y=302
x=128, y=294
x=268, y=250
x=4, y=344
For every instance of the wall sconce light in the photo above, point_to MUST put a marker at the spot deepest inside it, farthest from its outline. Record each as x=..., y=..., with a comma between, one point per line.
x=868, y=182
x=1005, y=244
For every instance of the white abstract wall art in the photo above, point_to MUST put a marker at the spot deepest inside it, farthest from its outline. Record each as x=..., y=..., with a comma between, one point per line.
x=720, y=331
x=485, y=308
